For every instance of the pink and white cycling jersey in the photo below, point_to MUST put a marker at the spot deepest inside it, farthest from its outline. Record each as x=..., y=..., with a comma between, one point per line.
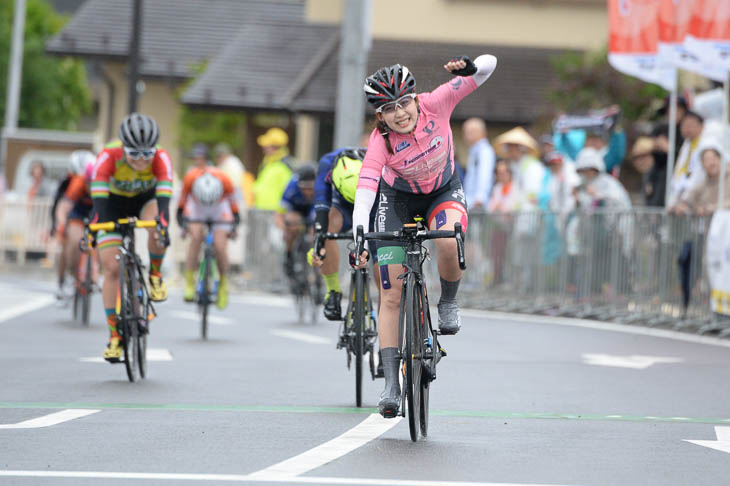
x=423, y=161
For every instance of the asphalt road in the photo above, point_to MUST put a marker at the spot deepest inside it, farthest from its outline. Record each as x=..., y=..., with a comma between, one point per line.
x=519, y=400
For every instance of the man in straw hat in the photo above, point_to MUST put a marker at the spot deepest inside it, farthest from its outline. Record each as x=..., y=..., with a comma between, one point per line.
x=521, y=150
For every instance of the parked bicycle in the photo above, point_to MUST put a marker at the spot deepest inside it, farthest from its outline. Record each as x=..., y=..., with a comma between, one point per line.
x=418, y=343
x=359, y=329
x=134, y=307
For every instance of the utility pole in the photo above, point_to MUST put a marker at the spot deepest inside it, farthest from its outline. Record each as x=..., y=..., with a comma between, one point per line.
x=355, y=44
x=134, y=43
x=12, y=99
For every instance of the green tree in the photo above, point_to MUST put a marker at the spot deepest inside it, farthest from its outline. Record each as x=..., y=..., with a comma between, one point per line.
x=54, y=91
x=587, y=81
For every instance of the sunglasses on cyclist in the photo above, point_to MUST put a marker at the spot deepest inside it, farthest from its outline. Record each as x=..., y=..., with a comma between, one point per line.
x=140, y=154
x=404, y=102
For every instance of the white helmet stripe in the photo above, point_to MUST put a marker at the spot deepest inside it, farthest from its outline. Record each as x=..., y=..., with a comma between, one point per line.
x=368, y=89
x=405, y=73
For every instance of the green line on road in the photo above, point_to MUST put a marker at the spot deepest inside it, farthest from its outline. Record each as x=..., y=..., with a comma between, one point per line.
x=353, y=410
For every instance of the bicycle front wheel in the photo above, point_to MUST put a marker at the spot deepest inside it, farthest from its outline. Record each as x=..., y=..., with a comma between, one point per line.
x=128, y=325
x=142, y=324
x=204, y=298
x=412, y=356
x=358, y=324
x=86, y=287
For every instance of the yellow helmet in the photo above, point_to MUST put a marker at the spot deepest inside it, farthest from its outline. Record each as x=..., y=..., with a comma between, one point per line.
x=346, y=172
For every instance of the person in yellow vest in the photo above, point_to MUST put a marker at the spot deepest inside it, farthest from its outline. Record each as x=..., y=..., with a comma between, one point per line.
x=275, y=170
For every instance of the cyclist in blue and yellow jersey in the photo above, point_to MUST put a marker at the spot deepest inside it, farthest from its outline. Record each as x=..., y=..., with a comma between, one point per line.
x=334, y=194
x=297, y=209
x=133, y=179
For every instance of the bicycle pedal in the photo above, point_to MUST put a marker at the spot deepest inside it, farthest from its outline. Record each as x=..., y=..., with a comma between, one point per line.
x=443, y=352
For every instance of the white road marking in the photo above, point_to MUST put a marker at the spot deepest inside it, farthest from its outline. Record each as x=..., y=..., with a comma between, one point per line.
x=372, y=427
x=153, y=354
x=262, y=300
x=27, y=305
x=603, y=326
x=51, y=419
x=636, y=362
x=194, y=316
x=721, y=444
x=247, y=478
x=300, y=336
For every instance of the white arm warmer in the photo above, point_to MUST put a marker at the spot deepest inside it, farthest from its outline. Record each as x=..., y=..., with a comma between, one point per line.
x=364, y=200
x=486, y=65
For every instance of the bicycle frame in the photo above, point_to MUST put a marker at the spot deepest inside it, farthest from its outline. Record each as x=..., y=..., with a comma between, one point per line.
x=417, y=340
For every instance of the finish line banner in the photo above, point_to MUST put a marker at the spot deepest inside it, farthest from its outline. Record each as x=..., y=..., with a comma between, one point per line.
x=718, y=261
x=634, y=39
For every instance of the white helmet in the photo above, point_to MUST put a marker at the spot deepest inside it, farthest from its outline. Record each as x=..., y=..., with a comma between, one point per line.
x=79, y=160
x=207, y=189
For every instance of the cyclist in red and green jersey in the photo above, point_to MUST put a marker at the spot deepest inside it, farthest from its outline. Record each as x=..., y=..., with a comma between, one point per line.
x=133, y=179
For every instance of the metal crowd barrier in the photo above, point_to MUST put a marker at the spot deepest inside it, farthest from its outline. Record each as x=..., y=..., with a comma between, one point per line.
x=641, y=266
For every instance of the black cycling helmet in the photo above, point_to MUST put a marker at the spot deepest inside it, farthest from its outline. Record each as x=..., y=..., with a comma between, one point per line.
x=306, y=173
x=139, y=132
x=388, y=84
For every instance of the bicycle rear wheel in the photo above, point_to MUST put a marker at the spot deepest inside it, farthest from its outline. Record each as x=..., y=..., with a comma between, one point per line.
x=127, y=324
x=358, y=324
x=413, y=356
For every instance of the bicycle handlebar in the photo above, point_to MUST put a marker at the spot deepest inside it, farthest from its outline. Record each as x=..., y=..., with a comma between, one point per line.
x=417, y=232
x=112, y=225
x=321, y=237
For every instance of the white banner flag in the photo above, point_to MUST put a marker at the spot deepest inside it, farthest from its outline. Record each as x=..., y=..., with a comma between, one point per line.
x=674, y=22
x=708, y=36
x=717, y=260
x=633, y=41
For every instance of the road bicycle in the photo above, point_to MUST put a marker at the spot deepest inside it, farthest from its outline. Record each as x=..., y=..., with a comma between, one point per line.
x=418, y=342
x=134, y=307
x=305, y=282
x=206, y=292
x=359, y=329
x=86, y=272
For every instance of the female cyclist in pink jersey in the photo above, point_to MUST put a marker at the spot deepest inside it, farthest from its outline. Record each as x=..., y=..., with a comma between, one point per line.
x=410, y=158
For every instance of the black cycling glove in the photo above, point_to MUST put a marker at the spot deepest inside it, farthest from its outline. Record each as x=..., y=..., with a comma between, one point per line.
x=468, y=70
x=180, y=217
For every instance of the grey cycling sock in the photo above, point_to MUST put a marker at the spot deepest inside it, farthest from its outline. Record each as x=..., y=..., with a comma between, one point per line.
x=391, y=367
x=448, y=290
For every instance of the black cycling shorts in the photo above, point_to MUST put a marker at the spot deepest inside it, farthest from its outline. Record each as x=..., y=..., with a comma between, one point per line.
x=396, y=208
x=119, y=207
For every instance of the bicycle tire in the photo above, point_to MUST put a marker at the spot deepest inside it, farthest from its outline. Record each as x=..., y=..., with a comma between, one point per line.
x=142, y=326
x=76, y=304
x=127, y=325
x=86, y=296
x=425, y=384
x=412, y=358
x=358, y=325
x=205, y=295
